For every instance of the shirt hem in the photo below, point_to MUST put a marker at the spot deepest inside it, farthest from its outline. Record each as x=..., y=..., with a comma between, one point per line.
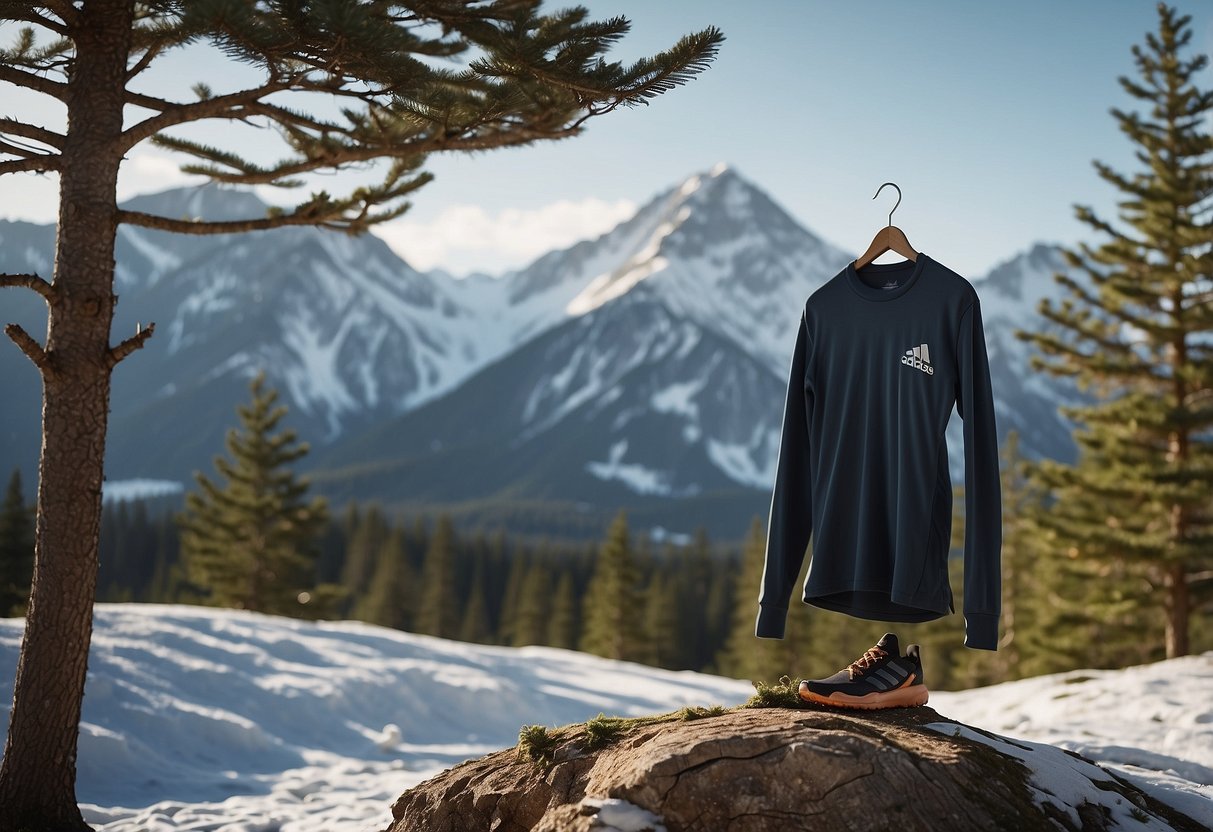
x=925, y=611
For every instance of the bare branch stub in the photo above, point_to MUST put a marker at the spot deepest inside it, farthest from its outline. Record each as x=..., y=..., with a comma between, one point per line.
x=131, y=344
x=29, y=281
x=29, y=346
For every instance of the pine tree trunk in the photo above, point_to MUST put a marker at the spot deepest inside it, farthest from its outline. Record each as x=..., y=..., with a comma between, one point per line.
x=37, y=778
x=1178, y=609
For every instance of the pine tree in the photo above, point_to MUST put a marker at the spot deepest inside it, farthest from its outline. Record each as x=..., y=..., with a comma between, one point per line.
x=167, y=557
x=694, y=583
x=251, y=541
x=498, y=564
x=519, y=564
x=16, y=548
x=529, y=77
x=719, y=607
x=1096, y=615
x=739, y=657
x=664, y=647
x=386, y=601
x=439, y=613
x=475, y=626
x=331, y=561
x=612, y=601
x=1140, y=499
x=534, y=605
x=562, y=628
x=125, y=570
x=367, y=533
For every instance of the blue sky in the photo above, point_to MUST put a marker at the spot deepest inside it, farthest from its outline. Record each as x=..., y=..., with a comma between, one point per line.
x=988, y=117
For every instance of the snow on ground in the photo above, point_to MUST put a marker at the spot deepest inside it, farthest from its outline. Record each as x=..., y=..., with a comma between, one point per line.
x=1151, y=724
x=1065, y=782
x=208, y=720
x=225, y=721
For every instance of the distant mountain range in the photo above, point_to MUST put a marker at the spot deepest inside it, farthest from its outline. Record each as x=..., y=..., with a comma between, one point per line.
x=643, y=369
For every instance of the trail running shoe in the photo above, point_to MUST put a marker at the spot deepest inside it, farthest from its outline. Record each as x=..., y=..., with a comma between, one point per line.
x=880, y=678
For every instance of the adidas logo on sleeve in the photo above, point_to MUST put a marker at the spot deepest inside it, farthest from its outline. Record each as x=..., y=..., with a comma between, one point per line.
x=919, y=358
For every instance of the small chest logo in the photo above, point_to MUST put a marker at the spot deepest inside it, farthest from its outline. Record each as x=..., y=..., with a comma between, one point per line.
x=919, y=358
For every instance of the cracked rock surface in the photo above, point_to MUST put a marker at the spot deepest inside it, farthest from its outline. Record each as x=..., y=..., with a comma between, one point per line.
x=759, y=769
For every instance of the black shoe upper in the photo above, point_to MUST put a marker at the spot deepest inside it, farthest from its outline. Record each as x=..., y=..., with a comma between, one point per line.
x=881, y=668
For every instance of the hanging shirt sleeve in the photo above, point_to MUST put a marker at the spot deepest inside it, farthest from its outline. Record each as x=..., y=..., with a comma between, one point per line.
x=791, y=518
x=983, y=489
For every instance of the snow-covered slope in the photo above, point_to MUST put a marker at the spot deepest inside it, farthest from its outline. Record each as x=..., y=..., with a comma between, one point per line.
x=206, y=719
x=218, y=720
x=1152, y=724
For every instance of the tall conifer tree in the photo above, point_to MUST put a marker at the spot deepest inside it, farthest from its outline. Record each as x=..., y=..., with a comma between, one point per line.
x=664, y=645
x=439, y=614
x=562, y=629
x=368, y=531
x=519, y=562
x=386, y=601
x=527, y=75
x=534, y=605
x=718, y=609
x=739, y=655
x=612, y=604
x=1140, y=499
x=693, y=585
x=475, y=624
x=251, y=541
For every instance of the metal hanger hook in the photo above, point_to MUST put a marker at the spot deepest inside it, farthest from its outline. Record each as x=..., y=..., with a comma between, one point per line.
x=898, y=202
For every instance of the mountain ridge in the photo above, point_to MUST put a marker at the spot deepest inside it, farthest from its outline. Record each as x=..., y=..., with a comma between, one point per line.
x=359, y=341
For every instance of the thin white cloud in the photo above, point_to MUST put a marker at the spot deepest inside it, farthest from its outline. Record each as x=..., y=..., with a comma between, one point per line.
x=466, y=238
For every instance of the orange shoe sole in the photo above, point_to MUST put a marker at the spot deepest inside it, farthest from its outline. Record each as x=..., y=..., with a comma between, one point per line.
x=906, y=697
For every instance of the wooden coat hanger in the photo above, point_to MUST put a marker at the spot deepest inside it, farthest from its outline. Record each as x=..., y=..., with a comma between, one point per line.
x=889, y=238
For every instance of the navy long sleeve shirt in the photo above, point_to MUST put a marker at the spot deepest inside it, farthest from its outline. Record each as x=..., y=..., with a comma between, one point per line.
x=882, y=354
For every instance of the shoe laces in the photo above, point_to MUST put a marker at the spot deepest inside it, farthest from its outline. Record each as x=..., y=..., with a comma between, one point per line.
x=869, y=658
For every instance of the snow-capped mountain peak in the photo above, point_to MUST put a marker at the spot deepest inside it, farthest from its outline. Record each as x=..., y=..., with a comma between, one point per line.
x=713, y=248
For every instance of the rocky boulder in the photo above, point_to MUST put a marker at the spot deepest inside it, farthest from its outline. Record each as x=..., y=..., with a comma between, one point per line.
x=777, y=768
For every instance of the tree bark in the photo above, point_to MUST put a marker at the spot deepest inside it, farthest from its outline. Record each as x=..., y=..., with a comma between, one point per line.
x=37, y=778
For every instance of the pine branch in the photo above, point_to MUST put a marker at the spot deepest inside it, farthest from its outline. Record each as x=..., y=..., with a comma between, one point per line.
x=63, y=8
x=30, y=281
x=166, y=30
x=28, y=80
x=145, y=60
x=28, y=12
x=1087, y=214
x=30, y=131
x=42, y=164
x=131, y=344
x=1045, y=307
x=287, y=115
x=229, y=226
x=171, y=113
x=692, y=54
x=30, y=347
